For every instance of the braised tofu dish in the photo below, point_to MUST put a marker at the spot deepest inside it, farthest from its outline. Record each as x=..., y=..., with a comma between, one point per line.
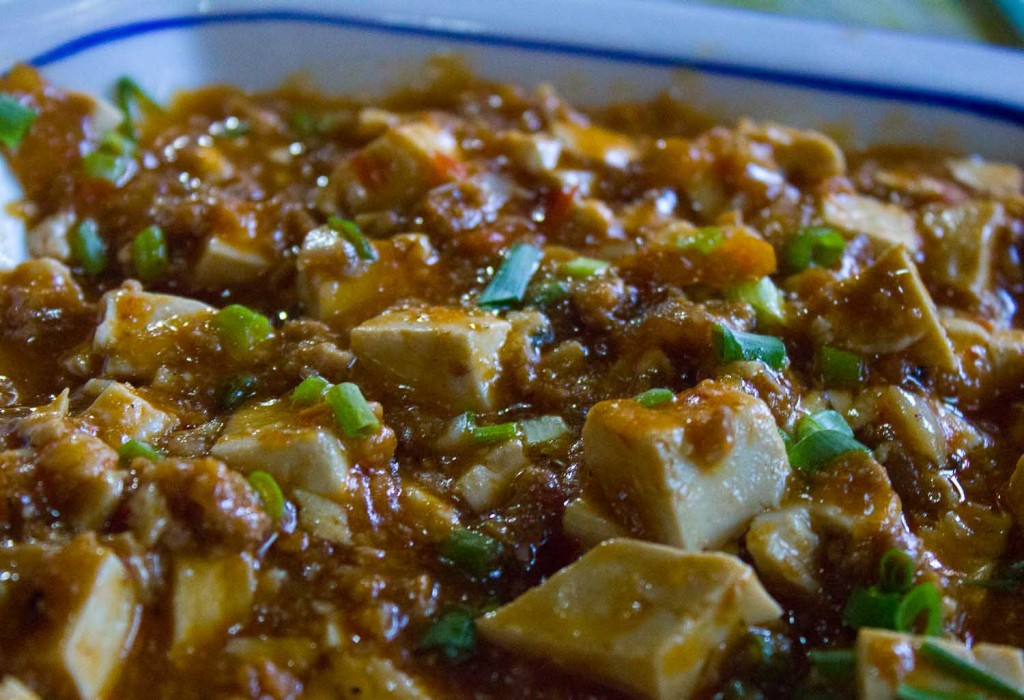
x=468, y=392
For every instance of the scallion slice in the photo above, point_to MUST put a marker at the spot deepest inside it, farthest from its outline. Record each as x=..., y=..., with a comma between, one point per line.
x=111, y=159
x=473, y=552
x=310, y=389
x=840, y=369
x=968, y=672
x=822, y=246
x=351, y=232
x=734, y=346
x=269, y=492
x=15, y=120
x=815, y=451
x=510, y=281
x=923, y=599
x=486, y=434
x=910, y=692
x=654, y=397
x=240, y=329
x=822, y=420
x=584, y=267
x=88, y=249
x=237, y=391
x=127, y=93
x=137, y=448
x=895, y=571
x=765, y=297
x=351, y=410
x=703, y=240
x=547, y=292
x=149, y=254
x=870, y=607
x=453, y=634
x=833, y=664
x=537, y=431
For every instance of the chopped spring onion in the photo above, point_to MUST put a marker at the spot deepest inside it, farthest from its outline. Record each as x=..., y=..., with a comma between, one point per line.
x=238, y=391
x=896, y=571
x=822, y=420
x=839, y=368
x=149, y=254
x=126, y=93
x=770, y=653
x=473, y=552
x=654, y=397
x=703, y=240
x=310, y=389
x=922, y=599
x=234, y=128
x=818, y=245
x=764, y=296
x=815, y=451
x=111, y=159
x=88, y=249
x=510, y=281
x=968, y=672
x=269, y=492
x=302, y=122
x=870, y=607
x=1008, y=577
x=547, y=292
x=486, y=434
x=584, y=267
x=351, y=232
x=786, y=439
x=15, y=120
x=351, y=410
x=910, y=692
x=733, y=346
x=136, y=448
x=537, y=431
x=240, y=329
x=833, y=664
x=453, y=634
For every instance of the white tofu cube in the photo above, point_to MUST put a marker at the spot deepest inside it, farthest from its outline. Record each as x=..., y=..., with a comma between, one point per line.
x=358, y=676
x=886, y=659
x=139, y=332
x=643, y=617
x=322, y=517
x=961, y=244
x=49, y=238
x=879, y=220
x=994, y=179
x=784, y=547
x=694, y=471
x=120, y=414
x=13, y=689
x=447, y=355
x=223, y=263
x=589, y=524
x=299, y=449
x=208, y=596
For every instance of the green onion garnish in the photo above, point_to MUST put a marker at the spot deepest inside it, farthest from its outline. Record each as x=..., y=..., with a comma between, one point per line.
x=510, y=281
x=126, y=94
x=822, y=420
x=547, y=292
x=840, y=369
x=15, y=120
x=922, y=599
x=815, y=451
x=111, y=158
x=237, y=391
x=1008, y=577
x=968, y=672
x=896, y=571
x=870, y=607
x=473, y=552
x=302, y=122
x=453, y=634
x=149, y=254
x=833, y=664
x=654, y=397
x=88, y=249
x=703, y=240
x=310, y=389
x=351, y=410
x=764, y=296
x=909, y=692
x=351, y=232
x=734, y=346
x=544, y=429
x=584, y=267
x=234, y=128
x=818, y=245
x=486, y=434
x=269, y=493
x=240, y=329
x=136, y=448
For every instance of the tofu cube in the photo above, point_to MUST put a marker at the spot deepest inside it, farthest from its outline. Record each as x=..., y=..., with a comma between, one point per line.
x=993, y=179
x=887, y=659
x=120, y=414
x=1015, y=493
x=141, y=331
x=784, y=547
x=208, y=596
x=961, y=244
x=587, y=522
x=298, y=448
x=223, y=263
x=13, y=689
x=694, y=471
x=355, y=676
x=644, y=617
x=322, y=517
x=49, y=238
x=879, y=220
x=445, y=355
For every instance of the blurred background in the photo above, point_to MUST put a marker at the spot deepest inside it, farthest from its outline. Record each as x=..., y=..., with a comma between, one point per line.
x=992, y=21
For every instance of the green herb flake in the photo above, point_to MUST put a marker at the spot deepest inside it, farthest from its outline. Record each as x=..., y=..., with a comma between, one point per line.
x=15, y=120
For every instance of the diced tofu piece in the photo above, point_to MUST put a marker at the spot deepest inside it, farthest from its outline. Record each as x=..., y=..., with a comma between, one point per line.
x=483, y=485
x=917, y=422
x=355, y=676
x=141, y=331
x=294, y=653
x=79, y=646
x=784, y=547
x=890, y=289
x=49, y=238
x=589, y=524
x=120, y=414
x=13, y=689
x=342, y=290
x=643, y=617
x=13, y=246
x=809, y=155
x=534, y=153
x=994, y=179
x=887, y=659
x=209, y=595
x=299, y=449
x=428, y=514
x=694, y=471
x=1015, y=493
x=1006, y=350
x=960, y=245
x=443, y=354
x=105, y=115
x=597, y=144
x=224, y=262
x=394, y=169
x=880, y=220
x=322, y=517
